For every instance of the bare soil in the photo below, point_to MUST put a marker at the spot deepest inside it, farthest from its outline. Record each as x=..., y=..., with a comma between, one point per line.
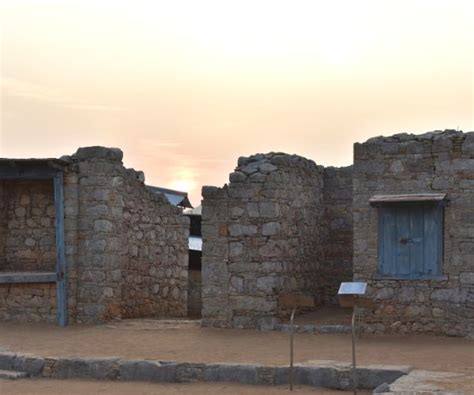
x=186, y=342
x=80, y=387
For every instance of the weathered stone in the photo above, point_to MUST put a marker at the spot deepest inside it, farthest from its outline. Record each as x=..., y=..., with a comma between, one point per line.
x=31, y=365
x=153, y=371
x=6, y=360
x=243, y=374
x=104, y=368
x=270, y=228
x=467, y=278
x=99, y=153
x=237, y=176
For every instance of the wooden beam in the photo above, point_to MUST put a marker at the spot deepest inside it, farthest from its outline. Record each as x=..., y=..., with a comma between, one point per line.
x=27, y=277
x=61, y=284
x=18, y=172
x=418, y=197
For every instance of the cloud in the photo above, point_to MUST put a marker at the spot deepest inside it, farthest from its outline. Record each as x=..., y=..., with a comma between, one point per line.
x=41, y=93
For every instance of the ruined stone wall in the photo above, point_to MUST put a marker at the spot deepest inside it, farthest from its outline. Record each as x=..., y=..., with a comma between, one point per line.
x=261, y=239
x=407, y=164
x=155, y=235
x=125, y=248
x=132, y=254
x=27, y=236
x=336, y=266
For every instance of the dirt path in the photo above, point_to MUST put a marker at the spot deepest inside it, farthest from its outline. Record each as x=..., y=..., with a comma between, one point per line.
x=145, y=339
x=81, y=387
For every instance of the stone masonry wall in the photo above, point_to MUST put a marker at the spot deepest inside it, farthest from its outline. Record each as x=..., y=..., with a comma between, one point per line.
x=27, y=243
x=27, y=236
x=337, y=233
x=441, y=162
x=132, y=243
x=154, y=275
x=261, y=239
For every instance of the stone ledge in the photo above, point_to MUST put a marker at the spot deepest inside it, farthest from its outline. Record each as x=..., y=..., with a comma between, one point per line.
x=329, y=374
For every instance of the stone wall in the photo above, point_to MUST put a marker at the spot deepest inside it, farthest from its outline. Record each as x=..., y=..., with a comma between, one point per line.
x=337, y=233
x=132, y=257
x=154, y=275
x=125, y=247
x=27, y=237
x=441, y=162
x=27, y=244
x=261, y=239
x=28, y=302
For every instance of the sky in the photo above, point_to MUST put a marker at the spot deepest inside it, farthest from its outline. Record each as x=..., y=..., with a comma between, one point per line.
x=186, y=87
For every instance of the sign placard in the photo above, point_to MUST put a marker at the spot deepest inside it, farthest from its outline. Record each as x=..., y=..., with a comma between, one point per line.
x=352, y=288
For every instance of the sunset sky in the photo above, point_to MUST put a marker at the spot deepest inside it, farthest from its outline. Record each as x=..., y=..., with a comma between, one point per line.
x=185, y=87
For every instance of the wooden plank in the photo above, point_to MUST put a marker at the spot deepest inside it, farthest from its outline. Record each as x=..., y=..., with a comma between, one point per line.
x=26, y=173
x=418, y=197
x=416, y=243
x=61, y=284
x=403, y=236
x=27, y=277
x=387, y=240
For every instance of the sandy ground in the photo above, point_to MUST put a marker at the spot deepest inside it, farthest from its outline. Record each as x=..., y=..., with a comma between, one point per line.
x=80, y=387
x=189, y=343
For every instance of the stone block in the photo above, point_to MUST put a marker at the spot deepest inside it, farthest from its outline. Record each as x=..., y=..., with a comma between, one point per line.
x=269, y=209
x=190, y=372
x=94, y=368
x=98, y=152
x=450, y=295
x=154, y=371
x=467, y=278
x=29, y=364
x=6, y=360
x=237, y=176
x=270, y=228
x=237, y=373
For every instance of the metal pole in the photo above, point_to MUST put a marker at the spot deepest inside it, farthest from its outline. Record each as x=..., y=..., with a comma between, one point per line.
x=354, y=374
x=291, y=347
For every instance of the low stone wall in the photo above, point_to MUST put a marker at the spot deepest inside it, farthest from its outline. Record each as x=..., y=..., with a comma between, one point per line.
x=262, y=236
x=441, y=162
x=327, y=374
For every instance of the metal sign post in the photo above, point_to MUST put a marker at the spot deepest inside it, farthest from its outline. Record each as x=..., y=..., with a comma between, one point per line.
x=350, y=295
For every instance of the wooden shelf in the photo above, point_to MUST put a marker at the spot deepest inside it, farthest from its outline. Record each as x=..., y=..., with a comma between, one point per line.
x=27, y=277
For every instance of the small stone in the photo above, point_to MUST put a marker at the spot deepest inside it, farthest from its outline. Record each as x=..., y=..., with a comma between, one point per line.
x=20, y=212
x=30, y=242
x=270, y=228
x=237, y=176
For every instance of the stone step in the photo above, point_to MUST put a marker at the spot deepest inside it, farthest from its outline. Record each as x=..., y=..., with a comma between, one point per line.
x=12, y=375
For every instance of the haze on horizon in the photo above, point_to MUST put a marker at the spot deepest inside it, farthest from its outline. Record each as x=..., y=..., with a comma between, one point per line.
x=185, y=88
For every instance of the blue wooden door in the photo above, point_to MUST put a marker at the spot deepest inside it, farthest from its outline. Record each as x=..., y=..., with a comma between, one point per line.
x=410, y=240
